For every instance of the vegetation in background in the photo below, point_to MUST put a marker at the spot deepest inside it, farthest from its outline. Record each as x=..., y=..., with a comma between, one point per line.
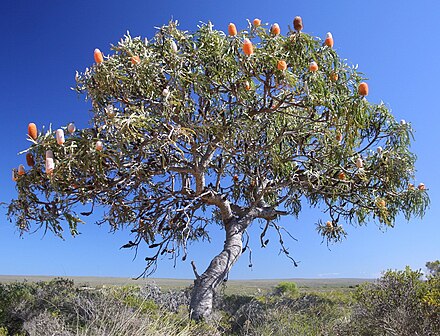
x=399, y=303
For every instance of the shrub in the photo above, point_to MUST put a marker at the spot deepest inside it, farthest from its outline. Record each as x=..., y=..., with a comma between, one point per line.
x=287, y=288
x=399, y=303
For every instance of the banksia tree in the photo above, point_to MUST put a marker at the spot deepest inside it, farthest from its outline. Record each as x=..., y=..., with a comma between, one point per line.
x=199, y=131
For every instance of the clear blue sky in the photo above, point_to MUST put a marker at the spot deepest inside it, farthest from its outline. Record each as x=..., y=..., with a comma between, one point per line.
x=395, y=44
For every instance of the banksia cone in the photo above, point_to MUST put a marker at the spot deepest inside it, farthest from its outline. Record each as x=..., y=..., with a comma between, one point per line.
x=59, y=135
x=363, y=89
x=49, y=154
x=281, y=65
x=329, y=40
x=329, y=224
x=334, y=76
x=135, y=60
x=173, y=46
x=248, y=48
x=256, y=22
x=71, y=128
x=97, y=54
x=32, y=131
x=21, y=171
x=99, y=145
x=275, y=29
x=298, y=23
x=421, y=186
x=313, y=67
x=30, y=160
x=232, y=30
x=50, y=165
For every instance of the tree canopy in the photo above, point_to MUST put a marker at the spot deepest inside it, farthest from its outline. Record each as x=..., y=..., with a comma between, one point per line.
x=190, y=129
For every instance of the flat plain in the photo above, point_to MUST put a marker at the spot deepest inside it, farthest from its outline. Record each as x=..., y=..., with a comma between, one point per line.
x=242, y=287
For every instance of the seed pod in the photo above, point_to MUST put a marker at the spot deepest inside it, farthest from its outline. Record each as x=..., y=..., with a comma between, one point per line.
x=71, y=128
x=50, y=165
x=248, y=48
x=359, y=163
x=14, y=175
x=275, y=29
x=281, y=65
x=232, y=30
x=256, y=22
x=97, y=54
x=30, y=160
x=329, y=40
x=363, y=89
x=21, y=171
x=32, y=131
x=338, y=136
x=59, y=135
x=297, y=23
x=99, y=145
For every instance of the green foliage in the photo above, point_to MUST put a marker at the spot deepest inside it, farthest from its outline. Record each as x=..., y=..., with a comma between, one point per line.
x=181, y=132
x=287, y=288
x=400, y=303
x=131, y=296
x=433, y=268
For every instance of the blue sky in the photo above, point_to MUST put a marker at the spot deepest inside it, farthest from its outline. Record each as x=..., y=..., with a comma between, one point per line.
x=394, y=43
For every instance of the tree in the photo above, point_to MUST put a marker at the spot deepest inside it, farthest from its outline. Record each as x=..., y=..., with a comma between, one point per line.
x=433, y=268
x=192, y=129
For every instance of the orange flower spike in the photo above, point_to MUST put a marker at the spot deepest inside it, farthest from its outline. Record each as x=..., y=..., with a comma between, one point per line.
x=313, y=67
x=329, y=224
x=232, y=30
x=334, y=76
x=21, y=171
x=247, y=86
x=97, y=54
x=135, y=60
x=363, y=89
x=298, y=23
x=32, y=131
x=329, y=40
x=275, y=29
x=341, y=176
x=256, y=22
x=59, y=135
x=248, y=48
x=281, y=65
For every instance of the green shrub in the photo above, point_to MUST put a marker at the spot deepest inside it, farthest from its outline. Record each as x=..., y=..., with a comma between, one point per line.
x=287, y=288
x=399, y=303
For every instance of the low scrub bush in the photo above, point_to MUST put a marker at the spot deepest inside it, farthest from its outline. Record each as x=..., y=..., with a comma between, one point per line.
x=399, y=303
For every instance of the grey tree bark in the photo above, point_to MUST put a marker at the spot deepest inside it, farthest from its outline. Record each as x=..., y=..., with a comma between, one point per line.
x=206, y=284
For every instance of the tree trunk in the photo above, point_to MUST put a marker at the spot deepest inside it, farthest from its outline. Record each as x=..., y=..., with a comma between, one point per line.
x=205, y=284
